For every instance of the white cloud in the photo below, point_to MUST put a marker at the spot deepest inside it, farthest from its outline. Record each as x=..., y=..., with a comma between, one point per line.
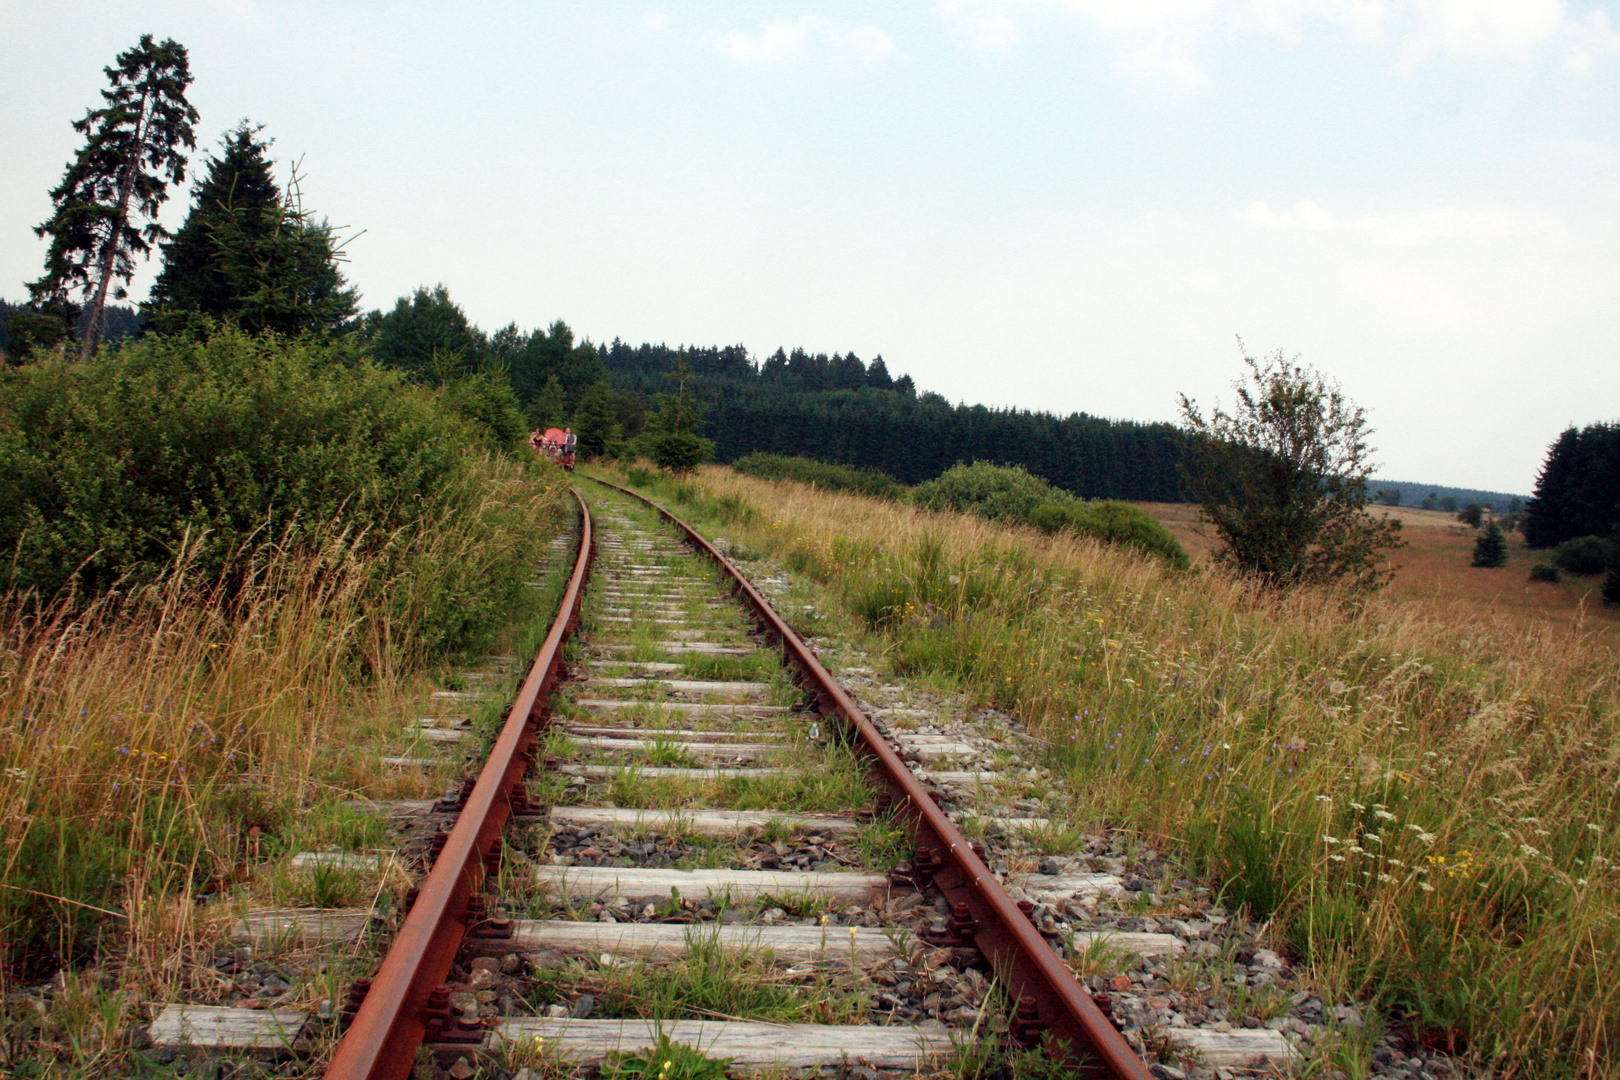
x=1160, y=36
x=1164, y=59
x=782, y=39
x=1304, y=217
x=1286, y=18
x=863, y=42
x=1135, y=15
x=984, y=25
x=774, y=41
x=1486, y=28
x=657, y=20
x=1422, y=228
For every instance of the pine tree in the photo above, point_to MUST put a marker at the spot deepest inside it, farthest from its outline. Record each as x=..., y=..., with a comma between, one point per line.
x=119, y=179
x=596, y=423
x=1490, y=548
x=193, y=279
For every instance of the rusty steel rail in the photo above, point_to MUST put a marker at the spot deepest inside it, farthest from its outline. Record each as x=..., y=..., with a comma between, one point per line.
x=405, y=1002
x=1048, y=997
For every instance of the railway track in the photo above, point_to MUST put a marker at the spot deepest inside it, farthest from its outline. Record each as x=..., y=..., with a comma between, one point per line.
x=688, y=833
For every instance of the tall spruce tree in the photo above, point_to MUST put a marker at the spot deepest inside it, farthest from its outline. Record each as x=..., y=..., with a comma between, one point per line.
x=282, y=267
x=1578, y=490
x=193, y=279
x=107, y=203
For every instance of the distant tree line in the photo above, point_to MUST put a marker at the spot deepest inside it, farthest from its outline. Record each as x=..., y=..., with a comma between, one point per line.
x=842, y=410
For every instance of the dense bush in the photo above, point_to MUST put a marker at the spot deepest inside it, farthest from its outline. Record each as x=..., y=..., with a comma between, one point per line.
x=488, y=401
x=1113, y=522
x=1012, y=495
x=109, y=469
x=998, y=492
x=828, y=477
x=1611, y=586
x=1585, y=554
x=1544, y=572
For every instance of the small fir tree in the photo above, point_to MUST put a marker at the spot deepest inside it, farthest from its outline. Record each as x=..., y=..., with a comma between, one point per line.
x=672, y=440
x=1490, y=548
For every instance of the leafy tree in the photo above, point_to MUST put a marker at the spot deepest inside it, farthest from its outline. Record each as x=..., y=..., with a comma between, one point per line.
x=118, y=180
x=536, y=360
x=671, y=439
x=1611, y=586
x=1490, y=547
x=1283, y=478
x=193, y=278
x=1390, y=496
x=1472, y=514
x=426, y=326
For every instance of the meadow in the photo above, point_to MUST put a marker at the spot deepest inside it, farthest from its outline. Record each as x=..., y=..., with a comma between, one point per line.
x=1418, y=788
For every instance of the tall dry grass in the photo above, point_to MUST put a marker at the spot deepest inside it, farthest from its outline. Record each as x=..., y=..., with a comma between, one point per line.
x=156, y=743
x=1423, y=801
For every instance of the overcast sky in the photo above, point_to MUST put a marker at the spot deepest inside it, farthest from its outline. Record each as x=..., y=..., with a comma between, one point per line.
x=1070, y=205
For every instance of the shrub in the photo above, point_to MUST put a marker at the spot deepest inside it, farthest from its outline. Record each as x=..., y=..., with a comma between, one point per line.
x=1611, y=586
x=488, y=401
x=110, y=470
x=1544, y=572
x=829, y=477
x=1012, y=495
x=1121, y=523
x=1113, y=522
x=1584, y=554
x=998, y=492
x=678, y=452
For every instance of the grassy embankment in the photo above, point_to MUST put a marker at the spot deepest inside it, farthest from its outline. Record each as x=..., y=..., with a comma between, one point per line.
x=165, y=748
x=1421, y=797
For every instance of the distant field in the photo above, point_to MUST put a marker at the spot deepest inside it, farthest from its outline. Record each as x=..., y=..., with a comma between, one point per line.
x=1434, y=567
